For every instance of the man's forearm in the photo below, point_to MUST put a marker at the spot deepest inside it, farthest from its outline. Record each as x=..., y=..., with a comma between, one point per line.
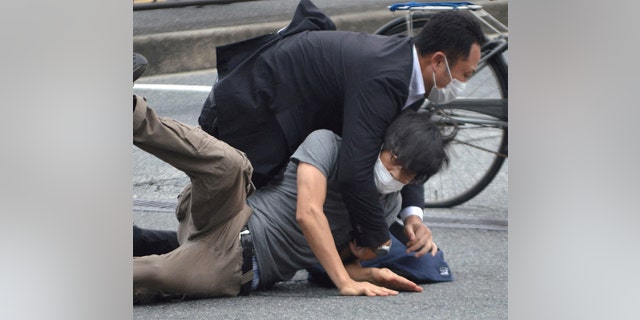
x=314, y=224
x=317, y=232
x=358, y=273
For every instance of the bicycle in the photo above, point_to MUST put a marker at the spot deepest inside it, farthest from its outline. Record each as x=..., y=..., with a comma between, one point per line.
x=479, y=119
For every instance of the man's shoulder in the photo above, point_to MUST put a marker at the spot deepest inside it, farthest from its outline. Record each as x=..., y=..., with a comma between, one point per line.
x=320, y=149
x=322, y=139
x=323, y=135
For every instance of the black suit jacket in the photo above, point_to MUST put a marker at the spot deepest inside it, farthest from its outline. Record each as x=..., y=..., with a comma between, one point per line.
x=273, y=90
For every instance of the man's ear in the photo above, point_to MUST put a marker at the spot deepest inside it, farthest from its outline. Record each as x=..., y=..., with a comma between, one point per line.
x=361, y=253
x=437, y=59
x=355, y=250
x=352, y=246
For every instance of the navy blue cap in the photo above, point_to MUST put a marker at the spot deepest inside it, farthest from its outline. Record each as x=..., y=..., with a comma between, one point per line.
x=425, y=269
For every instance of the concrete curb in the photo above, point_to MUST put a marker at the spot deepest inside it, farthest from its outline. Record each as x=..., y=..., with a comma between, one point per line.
x=183, y=51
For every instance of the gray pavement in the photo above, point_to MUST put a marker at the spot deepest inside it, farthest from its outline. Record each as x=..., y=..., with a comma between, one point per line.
x=473, y=236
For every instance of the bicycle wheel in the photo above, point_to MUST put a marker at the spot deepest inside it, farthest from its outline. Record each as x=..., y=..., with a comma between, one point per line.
x=481, y=143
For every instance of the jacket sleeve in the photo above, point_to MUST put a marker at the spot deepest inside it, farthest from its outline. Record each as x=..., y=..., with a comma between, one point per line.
x=413, y=196
x=367, y=114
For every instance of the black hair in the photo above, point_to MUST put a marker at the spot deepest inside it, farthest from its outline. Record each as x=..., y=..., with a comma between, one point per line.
x=452, y=32
x=417, y=143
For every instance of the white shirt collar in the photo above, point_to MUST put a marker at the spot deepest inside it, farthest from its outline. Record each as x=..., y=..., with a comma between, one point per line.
x=416, y=86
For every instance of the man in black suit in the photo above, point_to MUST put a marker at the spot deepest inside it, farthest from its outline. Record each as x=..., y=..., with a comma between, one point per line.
x=273, y=90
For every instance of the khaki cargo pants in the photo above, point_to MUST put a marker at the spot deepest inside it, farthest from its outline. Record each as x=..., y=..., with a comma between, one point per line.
x=211, y=210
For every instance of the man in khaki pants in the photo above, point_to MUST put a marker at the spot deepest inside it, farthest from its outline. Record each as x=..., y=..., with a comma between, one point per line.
x=295, y=223
x=212, y=209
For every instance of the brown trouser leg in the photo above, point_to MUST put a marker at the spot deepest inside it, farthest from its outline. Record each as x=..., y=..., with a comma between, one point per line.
x=211, y=210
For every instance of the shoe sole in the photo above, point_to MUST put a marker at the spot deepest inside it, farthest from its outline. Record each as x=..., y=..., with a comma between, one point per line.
x=139, y=65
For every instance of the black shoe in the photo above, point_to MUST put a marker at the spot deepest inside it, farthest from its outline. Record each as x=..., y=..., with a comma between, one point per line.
x=139, y=65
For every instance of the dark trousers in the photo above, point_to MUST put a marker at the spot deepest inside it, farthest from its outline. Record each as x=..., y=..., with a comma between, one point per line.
x=147, y=241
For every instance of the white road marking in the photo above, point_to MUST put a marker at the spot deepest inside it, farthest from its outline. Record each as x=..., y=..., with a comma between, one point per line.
x=172, y=87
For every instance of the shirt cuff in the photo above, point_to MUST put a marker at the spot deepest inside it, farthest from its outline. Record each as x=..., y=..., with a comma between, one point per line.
x=411, y=211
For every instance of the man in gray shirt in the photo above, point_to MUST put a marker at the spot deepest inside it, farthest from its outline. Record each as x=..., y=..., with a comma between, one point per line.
x=234, y=239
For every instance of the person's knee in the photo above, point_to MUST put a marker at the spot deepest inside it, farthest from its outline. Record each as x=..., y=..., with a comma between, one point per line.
x=233, y=168
x=240, y=163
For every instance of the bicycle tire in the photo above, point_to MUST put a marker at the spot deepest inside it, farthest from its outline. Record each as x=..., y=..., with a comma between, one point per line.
x=465, y=179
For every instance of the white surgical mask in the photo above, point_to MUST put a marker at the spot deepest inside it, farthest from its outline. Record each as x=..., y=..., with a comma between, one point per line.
x=449, y=92
x=385, y=182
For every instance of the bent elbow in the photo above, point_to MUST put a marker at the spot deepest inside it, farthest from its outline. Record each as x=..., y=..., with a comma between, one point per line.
x=306, y=216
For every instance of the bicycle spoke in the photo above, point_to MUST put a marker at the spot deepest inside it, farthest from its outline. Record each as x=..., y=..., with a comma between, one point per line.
x=481, y=148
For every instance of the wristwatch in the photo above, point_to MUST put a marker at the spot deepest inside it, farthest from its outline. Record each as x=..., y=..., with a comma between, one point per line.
x=382, y=250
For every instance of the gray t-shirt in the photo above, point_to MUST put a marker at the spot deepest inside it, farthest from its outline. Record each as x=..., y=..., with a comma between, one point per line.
x=280, y=247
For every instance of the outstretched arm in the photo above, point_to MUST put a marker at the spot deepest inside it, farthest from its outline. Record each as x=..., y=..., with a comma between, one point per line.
x=312, y=186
